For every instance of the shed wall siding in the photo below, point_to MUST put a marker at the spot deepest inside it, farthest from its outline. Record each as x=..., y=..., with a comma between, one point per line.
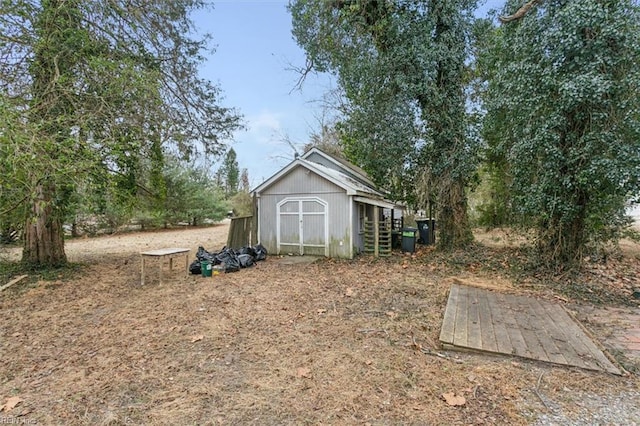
x=303, y=182
x=358, y=237
x=300, y=183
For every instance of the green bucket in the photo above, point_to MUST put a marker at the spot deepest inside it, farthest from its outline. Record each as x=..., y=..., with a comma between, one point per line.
x=205, y=267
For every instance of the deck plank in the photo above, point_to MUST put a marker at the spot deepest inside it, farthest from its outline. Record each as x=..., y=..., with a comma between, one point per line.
x=580, y=352
x=509, y=313
x=525, y=319
x=449, y=320
x=545, y=331
x=474, y=336
x=579, y=347
x=460, y=331
x=487, y=331
x=503, y=341
x=489, y=321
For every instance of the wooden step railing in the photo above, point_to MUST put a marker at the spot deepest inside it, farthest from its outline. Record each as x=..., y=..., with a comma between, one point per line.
x=377, y=240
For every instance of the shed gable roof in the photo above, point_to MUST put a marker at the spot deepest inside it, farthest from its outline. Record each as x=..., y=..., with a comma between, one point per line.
x=345, y=175
x=343, y=165
x=350, y=185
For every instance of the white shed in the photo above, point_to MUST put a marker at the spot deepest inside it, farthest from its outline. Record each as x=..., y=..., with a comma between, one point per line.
x=321, y=205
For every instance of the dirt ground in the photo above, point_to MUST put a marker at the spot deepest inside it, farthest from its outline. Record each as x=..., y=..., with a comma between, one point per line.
x=328, y=342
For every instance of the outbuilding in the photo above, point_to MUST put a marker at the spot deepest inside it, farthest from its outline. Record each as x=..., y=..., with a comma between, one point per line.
x=323, y=205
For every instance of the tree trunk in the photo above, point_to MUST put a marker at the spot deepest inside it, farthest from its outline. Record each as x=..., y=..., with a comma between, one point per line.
x=453, y=222
x=43, y=233
x=449, y=162
x=561, y=243
x=53, y=64
x=74, y=229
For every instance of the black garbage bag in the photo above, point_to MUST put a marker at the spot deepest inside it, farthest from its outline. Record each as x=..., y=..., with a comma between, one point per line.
x=247, y=250
x=246, y=260
x=202, y=254
x=261, y=252
x=229, y=259
x=195, y=268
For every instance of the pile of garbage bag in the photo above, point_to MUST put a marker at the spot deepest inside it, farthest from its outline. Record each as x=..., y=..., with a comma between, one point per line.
x=231, y=260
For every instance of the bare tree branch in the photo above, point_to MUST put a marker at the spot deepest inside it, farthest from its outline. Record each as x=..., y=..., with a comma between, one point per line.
x=519, y=13
x=303, y=73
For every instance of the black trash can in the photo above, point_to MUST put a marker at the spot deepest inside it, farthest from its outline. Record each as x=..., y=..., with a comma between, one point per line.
x=426, y=227
x=396, y=239
x=409, y=239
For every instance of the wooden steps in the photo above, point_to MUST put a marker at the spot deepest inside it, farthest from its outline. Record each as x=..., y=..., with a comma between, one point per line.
x=377, y=237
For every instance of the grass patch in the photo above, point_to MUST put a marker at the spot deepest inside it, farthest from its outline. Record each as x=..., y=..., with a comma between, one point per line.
x=632, y=234
x=598, y=282
x=9, y=270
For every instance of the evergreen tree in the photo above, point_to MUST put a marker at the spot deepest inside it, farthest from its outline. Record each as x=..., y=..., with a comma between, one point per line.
x=230, y=173
x=95, y=87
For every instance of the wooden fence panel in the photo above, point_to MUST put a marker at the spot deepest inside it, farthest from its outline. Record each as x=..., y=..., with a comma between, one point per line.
x=240, y=232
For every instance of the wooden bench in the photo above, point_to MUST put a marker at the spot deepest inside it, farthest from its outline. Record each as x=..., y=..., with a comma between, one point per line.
x=170, y=253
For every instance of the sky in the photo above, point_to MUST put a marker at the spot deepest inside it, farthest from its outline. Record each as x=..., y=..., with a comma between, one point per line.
x=254, y=49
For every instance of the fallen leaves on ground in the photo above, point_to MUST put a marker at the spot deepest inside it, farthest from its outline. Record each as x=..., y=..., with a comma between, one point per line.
x=303, y=372
x=269, y=356
x=11, y=403
x=453, y=399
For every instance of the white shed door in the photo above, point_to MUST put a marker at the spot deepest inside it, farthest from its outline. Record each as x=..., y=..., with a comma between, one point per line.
x=302, y=226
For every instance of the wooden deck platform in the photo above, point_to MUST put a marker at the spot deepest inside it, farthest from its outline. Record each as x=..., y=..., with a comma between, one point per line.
x=490, y=321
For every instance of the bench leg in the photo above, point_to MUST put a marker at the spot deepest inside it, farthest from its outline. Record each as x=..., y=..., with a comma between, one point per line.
x=142, y=272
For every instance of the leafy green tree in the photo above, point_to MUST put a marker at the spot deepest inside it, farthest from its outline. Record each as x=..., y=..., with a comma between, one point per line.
x=99, y=86
x=191, y=196
x=402, y=67
x=493, y=206
x=382, y=138
x=564, y=115
x=230, y=173
x=13, y=135
x=242, y=204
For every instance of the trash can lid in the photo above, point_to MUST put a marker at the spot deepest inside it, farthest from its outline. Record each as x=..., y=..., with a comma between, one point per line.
x=409, y=232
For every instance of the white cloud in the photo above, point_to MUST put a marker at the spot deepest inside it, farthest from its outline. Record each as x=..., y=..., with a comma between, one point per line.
x=260, y=148
x=264, y=128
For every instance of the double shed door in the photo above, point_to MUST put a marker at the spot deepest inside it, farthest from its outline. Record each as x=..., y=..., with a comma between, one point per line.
x=303, y=226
